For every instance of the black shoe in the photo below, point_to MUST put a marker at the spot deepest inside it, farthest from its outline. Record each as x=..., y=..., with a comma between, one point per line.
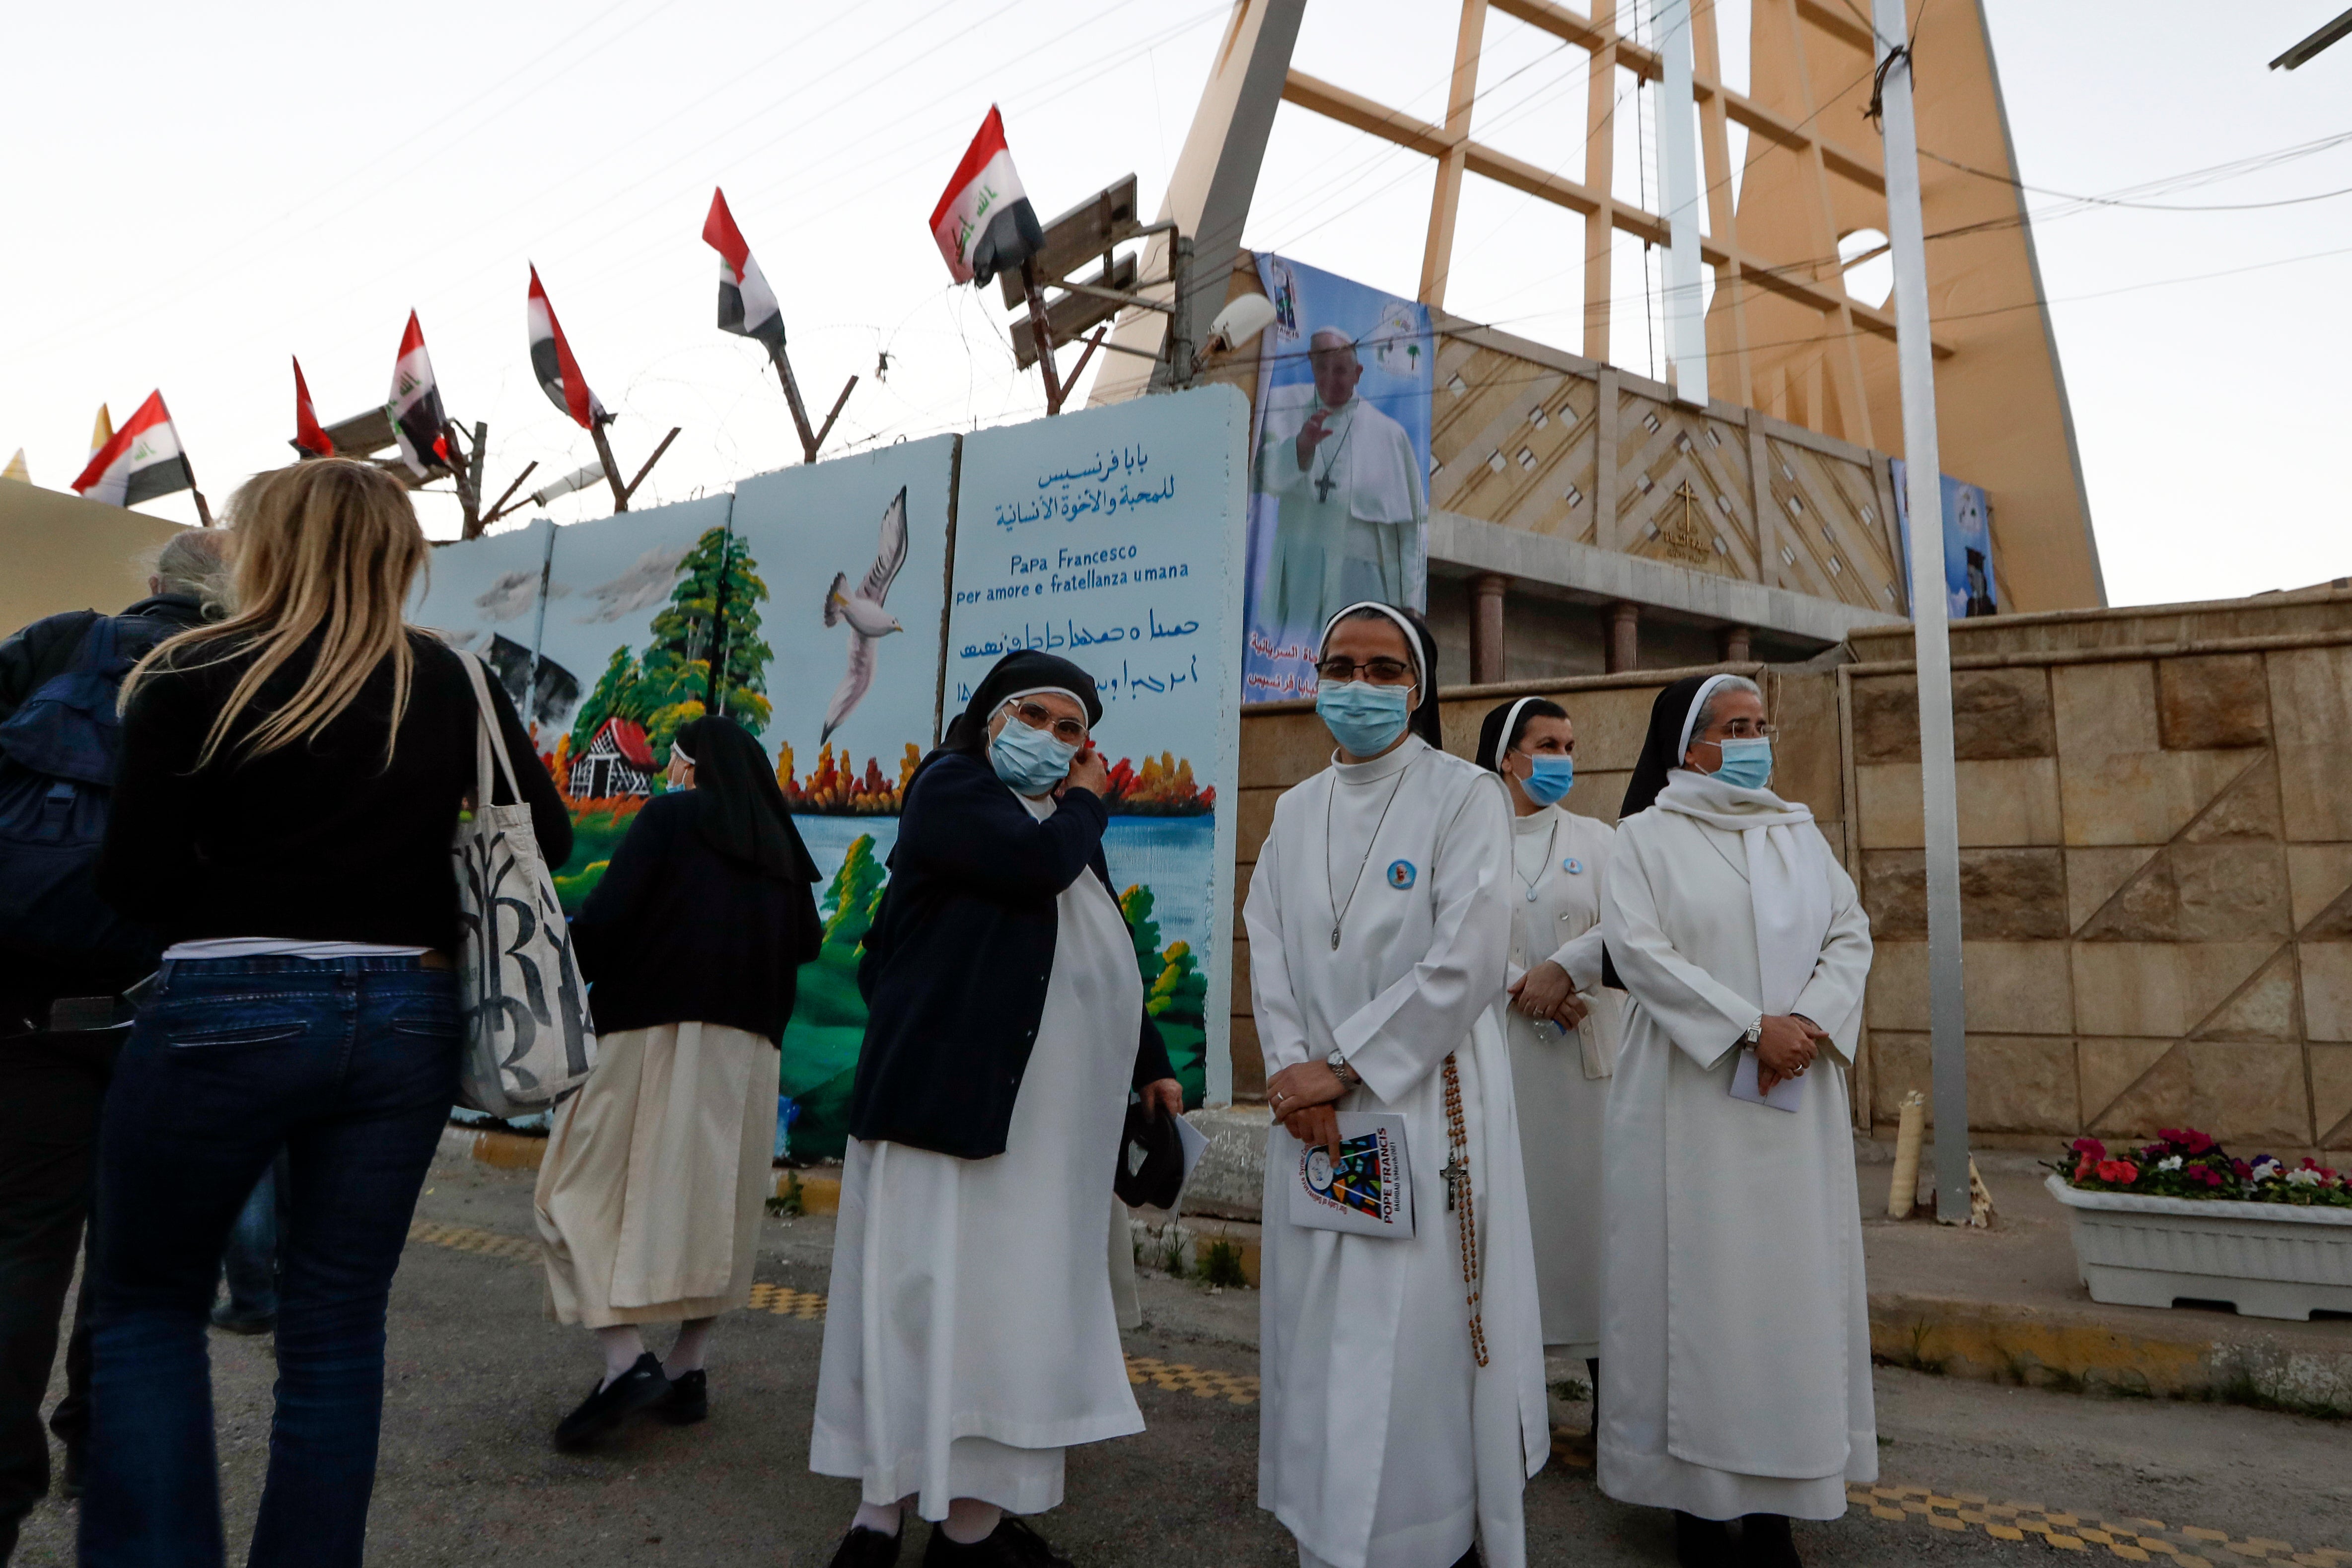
x=688, y=1401
x=1012, y=1544
x=1765, y=1543
x=602, y=1413
x=1471, y=1559
x=1701, y=1542
x=861, y=1548
x=225, y=1316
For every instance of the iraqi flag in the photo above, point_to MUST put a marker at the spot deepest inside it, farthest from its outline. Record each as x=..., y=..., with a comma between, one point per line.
x=747, y=306
x=984, y=223
x=143, y=461
x=558, y=373
x=309, y=437
x=418, y=419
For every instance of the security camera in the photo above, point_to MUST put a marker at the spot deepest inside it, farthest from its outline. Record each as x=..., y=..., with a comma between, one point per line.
x=1238, y=322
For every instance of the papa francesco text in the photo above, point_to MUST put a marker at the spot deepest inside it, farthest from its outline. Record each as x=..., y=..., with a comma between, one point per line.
x=1074, y=572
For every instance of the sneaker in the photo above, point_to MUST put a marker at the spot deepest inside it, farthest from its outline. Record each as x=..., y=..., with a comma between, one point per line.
x=601, y=1414
x=688, y=1401
x=1012, y=1544
x=861, y=1548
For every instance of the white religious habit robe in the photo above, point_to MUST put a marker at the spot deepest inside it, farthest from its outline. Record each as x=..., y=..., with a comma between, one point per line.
x=1735, y=1340
x=1560, y=1077
x=1350, y=525
x=1381, y=1443
x=970, y=1335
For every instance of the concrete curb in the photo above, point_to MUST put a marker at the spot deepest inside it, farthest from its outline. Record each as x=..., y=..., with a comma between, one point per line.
x=2089, y=1351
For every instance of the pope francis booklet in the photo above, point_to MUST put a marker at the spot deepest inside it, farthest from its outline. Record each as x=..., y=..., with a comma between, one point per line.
x=1368, y=1190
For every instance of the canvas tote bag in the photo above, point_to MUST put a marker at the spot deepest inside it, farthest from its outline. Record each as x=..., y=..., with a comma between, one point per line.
x=529, y=1041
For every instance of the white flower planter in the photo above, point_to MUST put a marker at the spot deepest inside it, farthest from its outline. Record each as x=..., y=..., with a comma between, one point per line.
x=2270, y=1260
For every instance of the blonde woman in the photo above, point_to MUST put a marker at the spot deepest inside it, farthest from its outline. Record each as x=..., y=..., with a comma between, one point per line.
x=290, y=784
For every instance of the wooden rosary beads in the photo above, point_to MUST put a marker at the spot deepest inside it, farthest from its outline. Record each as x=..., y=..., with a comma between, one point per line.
x=1465, y=1215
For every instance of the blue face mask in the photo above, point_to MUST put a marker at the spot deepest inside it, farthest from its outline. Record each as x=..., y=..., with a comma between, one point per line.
x=1030, y=761
x=1365, y=719
x=1747, y=764
x=1550, y=779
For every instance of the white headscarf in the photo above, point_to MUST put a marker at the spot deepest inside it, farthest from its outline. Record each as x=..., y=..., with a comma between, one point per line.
x=1787, y=874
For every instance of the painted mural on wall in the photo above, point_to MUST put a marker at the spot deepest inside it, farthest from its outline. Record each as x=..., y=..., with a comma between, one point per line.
x=1339, y=482
x=858, y=548
x=1112, y=538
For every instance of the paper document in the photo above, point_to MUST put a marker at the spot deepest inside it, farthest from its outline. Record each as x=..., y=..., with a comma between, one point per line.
x=1195, y=1142
x=1787, y=1095
x=1368, y=1190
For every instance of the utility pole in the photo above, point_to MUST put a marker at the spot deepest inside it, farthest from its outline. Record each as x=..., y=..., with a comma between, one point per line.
x=1678, y=182
x=1924, y=488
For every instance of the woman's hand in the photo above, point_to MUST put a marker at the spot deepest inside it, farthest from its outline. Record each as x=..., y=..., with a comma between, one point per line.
x=1301, y=1095
x=1315, y=1124
x=1087, y=772
x=1547, y=992
x=1785, y=1050
x=1163, y=1097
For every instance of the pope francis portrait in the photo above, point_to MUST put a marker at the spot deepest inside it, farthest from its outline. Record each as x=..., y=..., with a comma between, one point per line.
x=1349, y=492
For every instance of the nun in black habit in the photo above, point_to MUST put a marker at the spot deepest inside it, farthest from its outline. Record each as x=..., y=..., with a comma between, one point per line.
x=970, y=1336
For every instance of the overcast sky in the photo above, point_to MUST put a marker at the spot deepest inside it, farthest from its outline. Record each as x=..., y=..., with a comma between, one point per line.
x=218, y=197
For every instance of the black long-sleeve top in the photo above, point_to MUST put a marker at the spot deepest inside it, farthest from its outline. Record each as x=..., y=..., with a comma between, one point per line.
x=319, y=840
x=677, y=932
x=960, y=957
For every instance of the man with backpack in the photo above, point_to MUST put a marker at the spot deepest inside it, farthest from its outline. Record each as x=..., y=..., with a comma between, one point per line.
x=65, y=959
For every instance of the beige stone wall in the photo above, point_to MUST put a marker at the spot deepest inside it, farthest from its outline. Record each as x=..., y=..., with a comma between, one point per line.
x=2156, y=830
x=2156, y=891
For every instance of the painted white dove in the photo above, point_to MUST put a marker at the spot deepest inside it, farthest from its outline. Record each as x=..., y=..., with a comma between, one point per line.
x=868, y=624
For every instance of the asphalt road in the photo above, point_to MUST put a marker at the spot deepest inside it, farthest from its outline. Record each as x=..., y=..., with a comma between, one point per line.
x=477, y=1376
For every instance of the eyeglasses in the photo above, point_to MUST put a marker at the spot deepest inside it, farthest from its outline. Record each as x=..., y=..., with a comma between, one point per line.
x=1737, y=729
x=1038, y=716
x=1380, y=672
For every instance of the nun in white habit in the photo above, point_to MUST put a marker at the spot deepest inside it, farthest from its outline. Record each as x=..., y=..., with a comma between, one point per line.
x=1561, y=1023
x=1734, y=1342
x=1404, y=1401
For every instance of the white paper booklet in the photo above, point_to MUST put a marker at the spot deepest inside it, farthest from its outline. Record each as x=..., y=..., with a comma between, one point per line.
x=1368, y=1190
x=1787, y=1094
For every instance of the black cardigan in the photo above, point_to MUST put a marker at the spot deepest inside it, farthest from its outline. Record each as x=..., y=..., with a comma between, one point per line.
x=677, y=932
x=319, y=840
x=960, y=956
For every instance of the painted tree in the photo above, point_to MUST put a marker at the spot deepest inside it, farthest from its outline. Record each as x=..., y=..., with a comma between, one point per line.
x=717, y=598
x=1137, y=904
x=855, y=893
x=616, y=696
x=1182, y=991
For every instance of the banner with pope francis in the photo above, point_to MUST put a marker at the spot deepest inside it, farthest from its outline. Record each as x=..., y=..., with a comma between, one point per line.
x=1339, y=480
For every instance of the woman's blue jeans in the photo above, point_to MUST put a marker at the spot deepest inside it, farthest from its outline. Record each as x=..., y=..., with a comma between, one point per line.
x=350, y=1066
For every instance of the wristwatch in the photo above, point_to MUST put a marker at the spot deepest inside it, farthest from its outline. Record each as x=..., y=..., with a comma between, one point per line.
x=1755, y=1034
x=1341, y=1070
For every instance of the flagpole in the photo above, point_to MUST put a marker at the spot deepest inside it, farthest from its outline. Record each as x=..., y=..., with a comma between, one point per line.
x=1041, y=331
x=611, y=468
x=469, y=500
x=783, y=365
x=203, y=512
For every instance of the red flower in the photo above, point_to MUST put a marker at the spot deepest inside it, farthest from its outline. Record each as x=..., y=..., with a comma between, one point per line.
x=2122, y=1173
x=2185, y=1141
x=2088, y=1148
x=2206, y=1173
x=2083, y=1172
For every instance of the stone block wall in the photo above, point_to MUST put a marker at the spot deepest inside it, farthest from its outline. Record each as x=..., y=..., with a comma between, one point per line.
x=2156, y=889
x=2156, y=858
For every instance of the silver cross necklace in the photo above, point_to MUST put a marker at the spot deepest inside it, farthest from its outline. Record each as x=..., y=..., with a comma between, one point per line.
x=1339, y=909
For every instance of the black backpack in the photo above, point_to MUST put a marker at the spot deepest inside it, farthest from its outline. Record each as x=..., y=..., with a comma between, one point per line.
x=58, y=752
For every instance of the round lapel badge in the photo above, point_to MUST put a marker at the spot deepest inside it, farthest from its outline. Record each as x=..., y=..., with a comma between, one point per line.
x=1573, y=866
x=1402, y=875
